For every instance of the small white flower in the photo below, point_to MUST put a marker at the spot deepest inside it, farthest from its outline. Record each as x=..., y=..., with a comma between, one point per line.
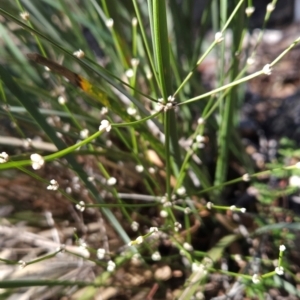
x=153, y=229
x=134, y=21
x=105, y=125
x=104, y=111
x=22, y=264
x=53, y=185
x=3, y=157
x=270, y=7
x=101, y=253
x=79, y=53
x=80, y=206
x=149, y=75
x=111, y=266
x=249, y=11
x=82, y=243
x=187, y=210
x=200, y=138
x=66, y=127
x=27, y=143
x=181, y=191
x=134, y=62
x=171, y=98
x=50, y=121
x=129, y=73
x=158, y=106
x=151, y=170
x=255, y=279
x=139, y=168
x=109, y=23
x=156, y=256
x=163, y=213
x=188, y=247
x=243, y=210
x=25, y=15
x=131, y=111
x=163, y=199
x=167, y=204
x=139, y=240
x=201, y=121
x=250, y=61
x=111, y=181
x=246, y=177
x=61, y=100
x=238, y=258
x=267, y=69
x=177, y=226
x=219, y=37
x=168, y=106
x=282, y=248
x=279, y=270
x=232, y=207
x=294, y=181
x=84, y=133
x=209, y=205
x=37, y=161
x=196, y=266
x=135, y=226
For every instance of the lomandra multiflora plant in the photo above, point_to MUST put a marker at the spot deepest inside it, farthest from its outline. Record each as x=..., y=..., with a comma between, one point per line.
x=104, y=111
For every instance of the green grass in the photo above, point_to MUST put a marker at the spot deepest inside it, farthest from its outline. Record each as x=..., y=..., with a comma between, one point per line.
x=169, y=158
